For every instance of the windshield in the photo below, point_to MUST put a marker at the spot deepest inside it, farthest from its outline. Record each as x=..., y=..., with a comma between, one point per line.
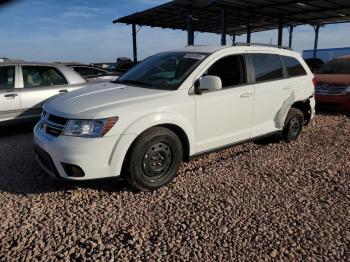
x=337, y=66
x=164, y=71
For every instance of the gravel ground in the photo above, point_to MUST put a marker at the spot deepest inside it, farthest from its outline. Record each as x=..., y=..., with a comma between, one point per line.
x=251, y=202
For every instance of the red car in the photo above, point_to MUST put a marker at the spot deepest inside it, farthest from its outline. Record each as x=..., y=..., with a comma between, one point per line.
x=333, y=85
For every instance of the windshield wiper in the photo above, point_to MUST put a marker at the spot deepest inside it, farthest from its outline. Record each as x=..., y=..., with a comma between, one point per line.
x=132, y=82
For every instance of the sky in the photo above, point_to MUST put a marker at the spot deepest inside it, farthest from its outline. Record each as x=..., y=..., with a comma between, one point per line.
x=82, y=31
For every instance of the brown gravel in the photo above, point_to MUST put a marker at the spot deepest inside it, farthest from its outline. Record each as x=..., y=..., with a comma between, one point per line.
x=255, y=201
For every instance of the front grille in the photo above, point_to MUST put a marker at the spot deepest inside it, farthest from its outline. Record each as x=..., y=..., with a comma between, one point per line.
x=53, y=125
x=45, y=159
x=327, y=89
x=57, y=119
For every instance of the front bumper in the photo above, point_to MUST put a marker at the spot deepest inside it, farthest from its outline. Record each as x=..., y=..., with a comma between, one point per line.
x=95, y=156
x=333, y=102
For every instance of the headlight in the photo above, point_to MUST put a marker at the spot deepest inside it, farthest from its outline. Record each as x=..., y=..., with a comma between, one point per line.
x=89, y=128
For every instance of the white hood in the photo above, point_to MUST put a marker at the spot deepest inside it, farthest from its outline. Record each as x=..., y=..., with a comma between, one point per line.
x=98, y=100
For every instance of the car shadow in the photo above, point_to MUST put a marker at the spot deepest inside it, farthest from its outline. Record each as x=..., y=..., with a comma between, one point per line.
x=328, y=112
x=11, y=128
x=21, y=174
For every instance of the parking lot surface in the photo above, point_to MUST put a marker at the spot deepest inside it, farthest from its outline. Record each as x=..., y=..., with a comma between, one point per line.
x=254, y=201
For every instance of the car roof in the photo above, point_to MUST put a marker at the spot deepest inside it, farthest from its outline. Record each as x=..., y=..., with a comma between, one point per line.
x=239, y=47
x=14, y=62
x=83, y=65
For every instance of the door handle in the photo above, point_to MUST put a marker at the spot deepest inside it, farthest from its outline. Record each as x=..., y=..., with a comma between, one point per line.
x=63, y=91
x=11, y=95
x=246, y=95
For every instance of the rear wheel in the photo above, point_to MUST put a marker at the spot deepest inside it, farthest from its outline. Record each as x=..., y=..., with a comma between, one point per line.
x=154, y=159
x=293, y=125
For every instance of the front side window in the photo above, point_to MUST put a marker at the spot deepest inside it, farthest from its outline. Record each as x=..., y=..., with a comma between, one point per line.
x=293, y=66
x=86, y=71
x=36, y=76
x=230, y=69
x=101, y=72
x=126, y=67
x=267, y=67
x=337, y=66
x=164, y=71
x=7, y=77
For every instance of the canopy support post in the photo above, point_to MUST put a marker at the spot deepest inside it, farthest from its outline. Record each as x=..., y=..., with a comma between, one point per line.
x=291, y=28
x=233, y=39
x=134, y=42
x=249, y=32
x=190, y=32
x=223, y=27
x=317, y=30
x=280, y=33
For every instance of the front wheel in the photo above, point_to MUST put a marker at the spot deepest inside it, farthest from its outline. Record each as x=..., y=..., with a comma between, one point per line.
x=293, y=125
x=154, y=159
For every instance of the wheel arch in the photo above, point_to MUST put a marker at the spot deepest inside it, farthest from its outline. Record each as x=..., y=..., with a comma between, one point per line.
x=174, y=122
x=305, y=107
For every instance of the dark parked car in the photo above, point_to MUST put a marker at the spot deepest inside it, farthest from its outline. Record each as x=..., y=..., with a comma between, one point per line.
x=314, y=64
x=122, y=66
x=93, y=73
x=333, y=85
x=101, y=65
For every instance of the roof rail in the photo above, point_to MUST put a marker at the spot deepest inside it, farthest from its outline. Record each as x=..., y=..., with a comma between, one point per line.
x=266, y=45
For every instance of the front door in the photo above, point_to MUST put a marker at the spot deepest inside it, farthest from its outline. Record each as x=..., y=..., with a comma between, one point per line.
x=223, y=117
x=39, y=84
x=10, y=102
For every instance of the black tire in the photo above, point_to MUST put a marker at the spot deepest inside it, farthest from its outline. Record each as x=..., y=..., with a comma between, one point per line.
x=293, y=125
x=154, y=159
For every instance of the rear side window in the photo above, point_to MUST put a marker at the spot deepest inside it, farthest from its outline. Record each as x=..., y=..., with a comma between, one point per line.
x=36, y=76
x=293, y=66
x=267, y=67
x=86, y=71
x=7, y=77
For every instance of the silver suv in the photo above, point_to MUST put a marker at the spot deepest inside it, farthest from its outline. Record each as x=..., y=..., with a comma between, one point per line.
x=25, y=86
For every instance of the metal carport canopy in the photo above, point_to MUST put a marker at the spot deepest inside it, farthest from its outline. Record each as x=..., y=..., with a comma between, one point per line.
x=236, y=17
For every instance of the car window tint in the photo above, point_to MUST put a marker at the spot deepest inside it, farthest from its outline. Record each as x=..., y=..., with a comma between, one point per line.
x=267, y=67
x=337, y=66
x=230, y=69
x=7, y=77
x=36, y=76
x=86, y=71
x=125, y=67
x=164, y=71
x=101, y=72
x=293, y=66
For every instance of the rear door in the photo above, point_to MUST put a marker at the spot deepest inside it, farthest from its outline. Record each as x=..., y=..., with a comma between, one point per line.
x=39, y=84
x=273, y=91
x=10, y=103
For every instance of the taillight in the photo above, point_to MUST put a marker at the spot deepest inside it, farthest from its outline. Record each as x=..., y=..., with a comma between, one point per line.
x=314, y=81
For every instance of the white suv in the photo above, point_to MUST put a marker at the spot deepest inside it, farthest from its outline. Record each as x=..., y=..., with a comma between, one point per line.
x=172, y=107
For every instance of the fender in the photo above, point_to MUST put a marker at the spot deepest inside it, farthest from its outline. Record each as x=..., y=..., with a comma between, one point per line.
x=141, y=124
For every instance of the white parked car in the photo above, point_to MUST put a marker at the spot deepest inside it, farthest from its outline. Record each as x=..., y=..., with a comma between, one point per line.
x=91, y=73
x=26, y=86
x=172, y=107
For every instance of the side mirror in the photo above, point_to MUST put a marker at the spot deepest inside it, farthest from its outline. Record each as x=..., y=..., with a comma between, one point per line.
x=211, y=83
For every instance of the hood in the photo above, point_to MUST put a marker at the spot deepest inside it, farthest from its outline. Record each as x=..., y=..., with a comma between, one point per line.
x=95, y=101
x=337, y=79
